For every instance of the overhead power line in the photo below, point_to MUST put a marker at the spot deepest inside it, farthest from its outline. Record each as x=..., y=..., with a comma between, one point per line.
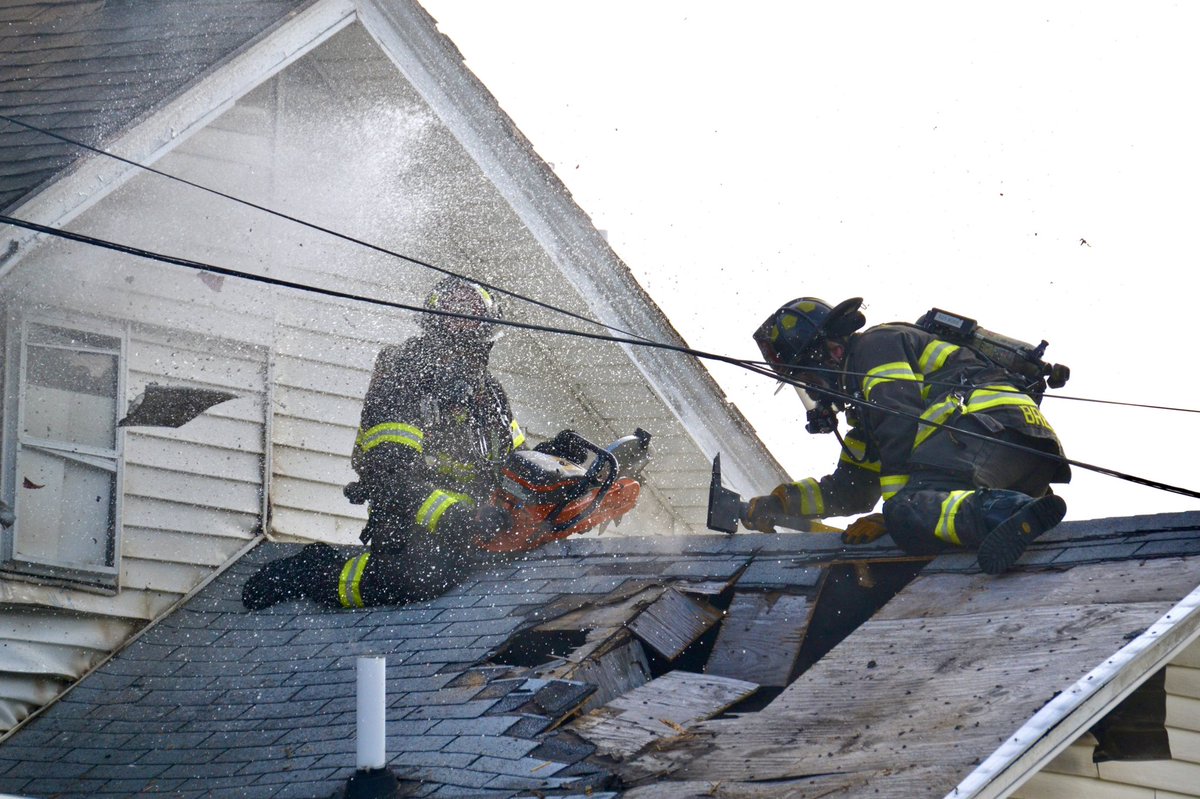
x=753, y=366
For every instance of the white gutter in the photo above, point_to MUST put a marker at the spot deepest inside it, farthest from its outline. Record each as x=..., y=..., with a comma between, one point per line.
x=94, y=176
x=1070, y=714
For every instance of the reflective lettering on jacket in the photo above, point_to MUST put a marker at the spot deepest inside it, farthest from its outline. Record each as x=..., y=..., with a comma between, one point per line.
x=947, y=523
x=350, y=582
x=436, y=505
x=406, y=435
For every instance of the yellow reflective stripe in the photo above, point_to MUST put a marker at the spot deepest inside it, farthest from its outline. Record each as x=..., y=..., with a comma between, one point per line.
x=391, y=433
x=856, y=456
x=935, y=355
x=891, y=484
x=350, y=583
x=885, y=373
x=436, y=504
x=811, y=501
x=518, y=437
x=947, y=528
x=933, y=416
x=448, y=467
x=995, y=396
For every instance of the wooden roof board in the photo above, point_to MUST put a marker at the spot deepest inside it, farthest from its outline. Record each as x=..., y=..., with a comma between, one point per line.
x=760, y=638
x=662, y=708
x=673, y=623
x=938, y=680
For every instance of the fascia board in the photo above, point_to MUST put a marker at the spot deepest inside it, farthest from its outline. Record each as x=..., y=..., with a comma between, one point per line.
x=94, y=176
x=408, y=35
x=1070, y=714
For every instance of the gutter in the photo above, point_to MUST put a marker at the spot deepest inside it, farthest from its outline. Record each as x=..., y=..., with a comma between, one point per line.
x=1070, y=714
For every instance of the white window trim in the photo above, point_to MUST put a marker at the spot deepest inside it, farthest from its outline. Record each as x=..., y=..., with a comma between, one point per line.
x=103, y=578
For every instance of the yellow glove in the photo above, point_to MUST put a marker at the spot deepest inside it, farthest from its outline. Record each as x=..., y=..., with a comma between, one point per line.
x=762, y=512
x=864, y=529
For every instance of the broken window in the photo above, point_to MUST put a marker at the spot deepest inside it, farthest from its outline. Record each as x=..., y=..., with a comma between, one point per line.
x=61, y=458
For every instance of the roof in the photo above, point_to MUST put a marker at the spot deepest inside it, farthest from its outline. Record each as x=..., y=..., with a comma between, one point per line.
x=89, y=69
x=495, y=686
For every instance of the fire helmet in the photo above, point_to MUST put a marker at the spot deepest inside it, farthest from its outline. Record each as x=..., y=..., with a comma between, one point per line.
x=790, y=337
x=477, y=310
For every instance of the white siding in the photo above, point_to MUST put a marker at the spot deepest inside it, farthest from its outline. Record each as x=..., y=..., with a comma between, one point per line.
x=1073, y=775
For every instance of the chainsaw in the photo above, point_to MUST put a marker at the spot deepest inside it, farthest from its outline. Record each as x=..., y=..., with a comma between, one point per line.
x=552, y=495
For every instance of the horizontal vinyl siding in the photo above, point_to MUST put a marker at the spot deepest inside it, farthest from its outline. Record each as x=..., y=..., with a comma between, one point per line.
x=1072, y=775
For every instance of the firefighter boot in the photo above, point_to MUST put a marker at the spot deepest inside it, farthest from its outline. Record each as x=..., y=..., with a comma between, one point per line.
x=1014, y=520
x=285, y=578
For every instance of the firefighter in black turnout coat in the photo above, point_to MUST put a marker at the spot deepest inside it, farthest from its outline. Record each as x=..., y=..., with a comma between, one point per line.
x=436, y=428
x=932, y=423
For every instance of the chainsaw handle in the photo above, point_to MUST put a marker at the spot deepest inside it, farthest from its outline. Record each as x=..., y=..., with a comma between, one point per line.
x=603, y=458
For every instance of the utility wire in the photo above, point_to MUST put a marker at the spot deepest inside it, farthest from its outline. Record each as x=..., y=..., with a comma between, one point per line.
x=442, y=270
x=752, y=366
x=310, y=225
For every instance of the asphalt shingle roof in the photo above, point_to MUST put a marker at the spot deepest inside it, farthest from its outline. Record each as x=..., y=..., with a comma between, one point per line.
x=218, y=701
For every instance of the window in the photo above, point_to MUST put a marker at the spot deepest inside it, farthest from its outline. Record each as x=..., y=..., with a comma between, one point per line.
x=62, y=460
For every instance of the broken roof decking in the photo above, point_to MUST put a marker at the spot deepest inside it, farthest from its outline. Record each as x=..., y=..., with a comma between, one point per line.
x=216, y=701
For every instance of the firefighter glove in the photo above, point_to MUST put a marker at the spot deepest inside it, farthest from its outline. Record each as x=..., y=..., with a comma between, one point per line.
x=761, y=513
x=864, y=529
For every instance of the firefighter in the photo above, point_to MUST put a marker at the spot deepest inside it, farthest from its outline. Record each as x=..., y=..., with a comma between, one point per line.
x=933, y=429
x=435, y=430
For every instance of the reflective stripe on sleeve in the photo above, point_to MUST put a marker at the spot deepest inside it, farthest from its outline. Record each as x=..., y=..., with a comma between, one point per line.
x=935, y=355
x=436, y=504
x=391, y=433
x=518, y=437
x=808, y=492
x=947, y=527
x=350, y=583
x=934, y=416
x=891, y=484
x=854, y=452
x=886, y=373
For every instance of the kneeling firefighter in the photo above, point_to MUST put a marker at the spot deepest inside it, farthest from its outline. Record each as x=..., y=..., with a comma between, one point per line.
x=435, y=430
x=933, y=423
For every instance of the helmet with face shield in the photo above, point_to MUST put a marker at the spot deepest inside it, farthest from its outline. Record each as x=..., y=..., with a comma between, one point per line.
x=793, y=342
x=470, y=313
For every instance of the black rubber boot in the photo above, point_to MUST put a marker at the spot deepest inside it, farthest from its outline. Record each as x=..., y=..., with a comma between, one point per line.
x=1006, y=542
x=283, y=579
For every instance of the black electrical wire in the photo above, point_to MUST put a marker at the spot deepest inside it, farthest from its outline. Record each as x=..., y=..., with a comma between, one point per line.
x=752, y=366
x=311, y=225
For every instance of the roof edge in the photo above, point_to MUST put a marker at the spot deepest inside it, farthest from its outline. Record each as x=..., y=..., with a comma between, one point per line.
x=147, y=139
x=1067, y=716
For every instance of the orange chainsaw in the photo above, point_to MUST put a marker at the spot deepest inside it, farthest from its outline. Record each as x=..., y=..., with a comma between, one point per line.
x=567, y=491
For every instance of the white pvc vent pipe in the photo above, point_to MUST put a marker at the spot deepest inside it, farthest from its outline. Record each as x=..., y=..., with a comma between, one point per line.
x=372, y=713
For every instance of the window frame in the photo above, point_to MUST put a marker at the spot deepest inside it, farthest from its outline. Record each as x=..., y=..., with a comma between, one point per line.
x=99, y=577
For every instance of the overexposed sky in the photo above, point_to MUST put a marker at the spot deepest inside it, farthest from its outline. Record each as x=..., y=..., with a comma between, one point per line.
x=1032, y=165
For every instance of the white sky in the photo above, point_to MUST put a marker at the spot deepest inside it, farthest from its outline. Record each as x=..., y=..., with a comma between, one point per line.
x=915, y=154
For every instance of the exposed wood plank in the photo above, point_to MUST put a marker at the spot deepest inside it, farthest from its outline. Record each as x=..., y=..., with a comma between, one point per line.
x=1167, y=579
x=662, y=708
x=760, y=638
x=954, y=687
x=673, y=623
x=616, y=667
